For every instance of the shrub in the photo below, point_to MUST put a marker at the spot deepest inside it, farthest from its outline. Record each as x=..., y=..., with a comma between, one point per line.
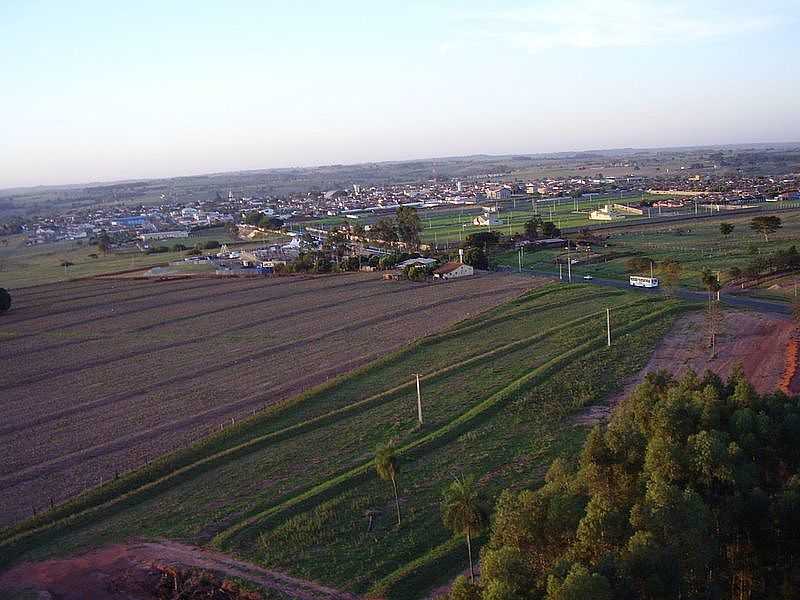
x=5, y=300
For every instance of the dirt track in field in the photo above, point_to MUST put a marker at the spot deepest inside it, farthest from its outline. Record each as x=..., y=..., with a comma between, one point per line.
x=101, y=376
x=755, y=341
x=125, y=571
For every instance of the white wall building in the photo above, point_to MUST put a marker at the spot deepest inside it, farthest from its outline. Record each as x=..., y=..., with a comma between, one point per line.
x=452, y=270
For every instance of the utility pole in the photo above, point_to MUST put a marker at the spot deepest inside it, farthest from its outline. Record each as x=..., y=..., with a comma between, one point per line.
x=419, y=401
x=569, y=266
x=519, y=257
x=560, y=277
x=608, y=325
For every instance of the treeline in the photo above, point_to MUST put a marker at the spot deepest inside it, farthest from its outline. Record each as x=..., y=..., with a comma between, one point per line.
x=778, y=262
x=329, y=261
x=404, y=227
x=692, y=491
x=259, y=219
x=195, y=250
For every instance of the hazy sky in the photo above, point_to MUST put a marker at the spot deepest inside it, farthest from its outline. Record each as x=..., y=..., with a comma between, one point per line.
x=99, y=90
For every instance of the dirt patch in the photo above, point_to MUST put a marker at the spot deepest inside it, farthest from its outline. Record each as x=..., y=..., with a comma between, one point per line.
x=125, y=571
x=756, y=341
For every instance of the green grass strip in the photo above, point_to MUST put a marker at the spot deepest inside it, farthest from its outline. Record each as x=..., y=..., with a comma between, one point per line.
x=388, y=586
x=251, y=525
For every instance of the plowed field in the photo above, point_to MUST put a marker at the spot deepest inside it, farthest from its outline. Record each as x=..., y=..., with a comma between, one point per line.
x=102, y=376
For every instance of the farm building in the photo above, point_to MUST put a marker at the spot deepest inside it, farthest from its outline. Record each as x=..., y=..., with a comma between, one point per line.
x=417, y=262
x=453, y=270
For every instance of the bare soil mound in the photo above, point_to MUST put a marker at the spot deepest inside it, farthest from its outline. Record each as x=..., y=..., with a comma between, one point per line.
x=755, y=341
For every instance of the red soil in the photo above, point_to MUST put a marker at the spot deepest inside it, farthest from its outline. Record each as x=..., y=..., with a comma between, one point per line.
x=126, y=571
x=757, y=342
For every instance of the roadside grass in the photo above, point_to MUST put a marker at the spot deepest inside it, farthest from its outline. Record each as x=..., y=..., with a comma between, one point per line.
x=316, y=448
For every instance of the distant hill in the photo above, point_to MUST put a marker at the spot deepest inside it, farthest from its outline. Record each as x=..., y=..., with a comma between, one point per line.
x=767, y=158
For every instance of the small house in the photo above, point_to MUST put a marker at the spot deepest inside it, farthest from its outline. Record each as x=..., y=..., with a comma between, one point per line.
x=452, y=270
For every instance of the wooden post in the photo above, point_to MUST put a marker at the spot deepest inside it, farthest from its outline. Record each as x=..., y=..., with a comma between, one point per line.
x=419, y=401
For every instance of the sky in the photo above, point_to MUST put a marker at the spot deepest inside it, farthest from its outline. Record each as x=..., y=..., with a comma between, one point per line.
x=98, y=91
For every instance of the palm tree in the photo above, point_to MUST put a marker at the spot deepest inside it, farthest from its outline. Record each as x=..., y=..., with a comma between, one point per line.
x=386, y=466
x=463, y=512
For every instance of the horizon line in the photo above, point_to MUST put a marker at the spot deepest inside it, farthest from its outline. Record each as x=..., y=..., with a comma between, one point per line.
x=97, y=183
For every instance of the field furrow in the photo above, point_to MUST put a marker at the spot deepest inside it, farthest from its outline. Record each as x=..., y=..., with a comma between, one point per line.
x=117, y=387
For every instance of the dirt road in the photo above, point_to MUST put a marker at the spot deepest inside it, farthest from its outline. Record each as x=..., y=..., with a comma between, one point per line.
x=125, y=571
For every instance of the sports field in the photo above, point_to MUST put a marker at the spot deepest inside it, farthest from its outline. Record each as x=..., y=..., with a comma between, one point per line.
x=446, y=226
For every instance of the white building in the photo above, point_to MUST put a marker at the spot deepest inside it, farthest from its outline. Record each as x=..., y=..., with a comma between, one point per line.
x=498, y=193
x=607, y=213
x=417, y=262
x=164, y=235
x=486, y=220
x=452, y=270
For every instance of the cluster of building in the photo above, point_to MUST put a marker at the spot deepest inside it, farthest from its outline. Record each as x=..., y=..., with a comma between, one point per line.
x=177, y=219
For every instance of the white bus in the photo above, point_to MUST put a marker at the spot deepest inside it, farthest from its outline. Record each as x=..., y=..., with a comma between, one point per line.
x=648, y=282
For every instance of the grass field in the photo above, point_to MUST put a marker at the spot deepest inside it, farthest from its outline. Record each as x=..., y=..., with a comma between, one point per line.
x=22, y=266
x=697, y=246
x=289, y=488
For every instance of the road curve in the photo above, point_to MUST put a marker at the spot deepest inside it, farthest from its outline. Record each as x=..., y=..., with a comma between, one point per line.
x=733, y=300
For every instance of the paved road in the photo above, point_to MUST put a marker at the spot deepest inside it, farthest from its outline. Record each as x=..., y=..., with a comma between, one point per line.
x=733, y=300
